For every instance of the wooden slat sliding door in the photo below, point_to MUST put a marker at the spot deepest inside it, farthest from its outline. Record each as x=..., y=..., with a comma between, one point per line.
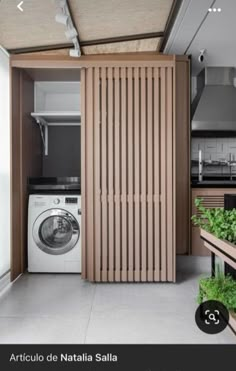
x=128, y=166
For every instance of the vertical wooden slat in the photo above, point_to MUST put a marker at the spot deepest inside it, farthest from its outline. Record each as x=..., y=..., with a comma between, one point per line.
x=175, y=121
x=90, y=174
x=137, y=172
x=97, y=172
x=110, y=175
x=130, y=177
x=169, y=202
x=156, y=174
x=150, y=171
x=143, y=176
x=104, y=174
x=124, y=171
x=83, y=172
x=117, y=176
x=163, y=175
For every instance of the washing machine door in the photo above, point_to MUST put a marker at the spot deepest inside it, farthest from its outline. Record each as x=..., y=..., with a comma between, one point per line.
x=56, y=231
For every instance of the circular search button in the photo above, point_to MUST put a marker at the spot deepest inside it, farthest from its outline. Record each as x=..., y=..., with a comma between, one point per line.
x=212, y=317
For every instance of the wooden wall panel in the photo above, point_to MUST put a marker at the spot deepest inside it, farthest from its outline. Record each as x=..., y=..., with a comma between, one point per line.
x=83, y=172
x=26, y=161
x=128, y=141
x=182, y=144
x=16, y=248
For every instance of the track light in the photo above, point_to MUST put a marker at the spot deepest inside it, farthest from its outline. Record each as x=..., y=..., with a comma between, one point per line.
x=62, y=18
x=60, y=3
x=71, y=33
x=75, y=53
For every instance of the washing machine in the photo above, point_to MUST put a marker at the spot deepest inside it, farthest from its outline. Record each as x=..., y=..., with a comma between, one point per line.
x=54, y=233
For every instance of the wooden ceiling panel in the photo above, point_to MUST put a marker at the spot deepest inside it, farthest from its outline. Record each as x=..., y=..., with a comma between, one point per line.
x=94, y=19
x=34, y=26
x=97, y=19
x=124, y=47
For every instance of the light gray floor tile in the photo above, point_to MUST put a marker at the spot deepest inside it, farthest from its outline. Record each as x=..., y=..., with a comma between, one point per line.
x=35, y=295
x=161, y=297
x=139, y=327
x=65, y=309
x=42, y=330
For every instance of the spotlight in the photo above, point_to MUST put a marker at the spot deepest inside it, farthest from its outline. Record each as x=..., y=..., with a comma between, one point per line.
x=71, y=33
x=62, y=18
x=75, y=53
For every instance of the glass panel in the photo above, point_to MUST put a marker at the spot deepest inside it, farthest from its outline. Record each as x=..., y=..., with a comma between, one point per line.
x=55, y=232
x=4, y=164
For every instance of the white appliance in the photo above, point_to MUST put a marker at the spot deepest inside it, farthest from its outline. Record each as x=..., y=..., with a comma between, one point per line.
x=54, y=233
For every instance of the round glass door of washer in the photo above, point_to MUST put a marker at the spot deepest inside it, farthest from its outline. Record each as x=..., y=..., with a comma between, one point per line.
x=56, y=232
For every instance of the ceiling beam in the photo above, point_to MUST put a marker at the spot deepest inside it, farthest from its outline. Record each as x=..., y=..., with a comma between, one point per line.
x=118, y=39
x=43, y=48
x=111, y=40
x=170, y=22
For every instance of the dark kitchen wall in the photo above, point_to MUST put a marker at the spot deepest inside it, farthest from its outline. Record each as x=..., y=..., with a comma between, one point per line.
x=64, y=156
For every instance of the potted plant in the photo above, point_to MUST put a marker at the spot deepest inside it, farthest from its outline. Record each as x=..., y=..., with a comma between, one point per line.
x=218, y=230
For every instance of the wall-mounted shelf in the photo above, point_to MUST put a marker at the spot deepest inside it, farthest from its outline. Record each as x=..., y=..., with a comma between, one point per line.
x=45, y=119
x=58, y=118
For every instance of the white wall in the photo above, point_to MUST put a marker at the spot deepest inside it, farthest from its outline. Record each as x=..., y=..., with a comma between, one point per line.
x=4, y=165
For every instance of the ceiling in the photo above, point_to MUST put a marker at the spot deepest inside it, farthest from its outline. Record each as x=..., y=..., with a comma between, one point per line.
x=195, y=29
x=104, y=26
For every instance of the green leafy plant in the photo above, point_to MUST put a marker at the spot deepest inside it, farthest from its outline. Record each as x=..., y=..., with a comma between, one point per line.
x=220, y=222
x=220, y=287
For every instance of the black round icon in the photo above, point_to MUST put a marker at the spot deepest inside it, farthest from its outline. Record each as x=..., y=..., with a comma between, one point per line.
x=212, y=317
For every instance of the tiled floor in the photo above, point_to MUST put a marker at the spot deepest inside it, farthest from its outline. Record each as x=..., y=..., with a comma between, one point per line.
x=64, y=309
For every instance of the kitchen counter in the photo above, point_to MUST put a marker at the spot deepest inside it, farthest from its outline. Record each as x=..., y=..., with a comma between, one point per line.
x=213, y=182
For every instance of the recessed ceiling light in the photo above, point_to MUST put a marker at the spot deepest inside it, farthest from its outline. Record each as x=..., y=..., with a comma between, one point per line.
x=219, y=9
x=209, y=10
x=214, y=9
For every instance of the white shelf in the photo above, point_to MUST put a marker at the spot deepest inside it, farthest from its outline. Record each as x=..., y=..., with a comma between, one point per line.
x=45, y=119
x=57, y=118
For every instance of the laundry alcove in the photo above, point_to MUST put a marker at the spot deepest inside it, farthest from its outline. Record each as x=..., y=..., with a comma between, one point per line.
x=134, y=135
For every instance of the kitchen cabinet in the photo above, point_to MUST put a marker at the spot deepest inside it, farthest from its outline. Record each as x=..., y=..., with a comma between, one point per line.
x=212, y=197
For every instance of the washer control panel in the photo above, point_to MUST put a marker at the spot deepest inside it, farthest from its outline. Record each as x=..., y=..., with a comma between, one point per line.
x=56, y=201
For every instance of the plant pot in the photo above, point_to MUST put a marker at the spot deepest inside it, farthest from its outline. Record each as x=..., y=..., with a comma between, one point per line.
x=232, y=321
x=224, y=249
x=227, y=252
